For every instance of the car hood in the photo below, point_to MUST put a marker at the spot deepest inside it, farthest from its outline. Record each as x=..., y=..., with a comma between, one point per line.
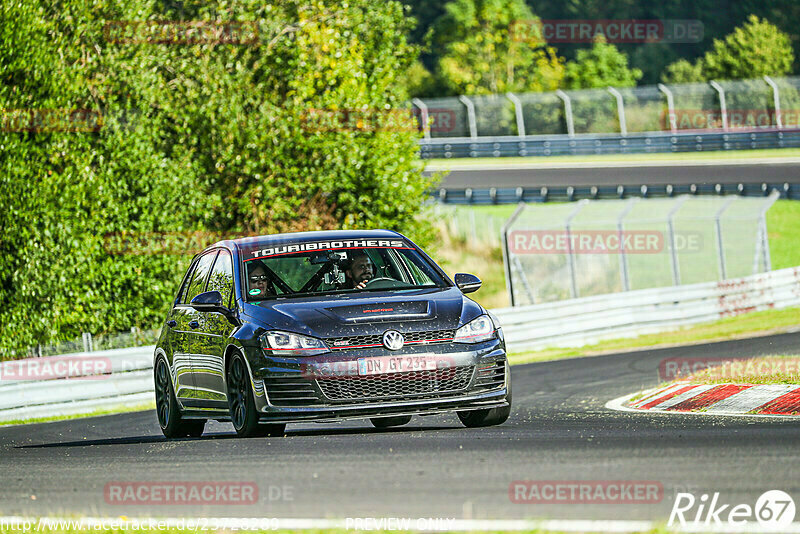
x=366, y=313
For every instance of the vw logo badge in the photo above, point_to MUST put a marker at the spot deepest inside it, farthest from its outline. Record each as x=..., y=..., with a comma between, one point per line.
x=393, y=340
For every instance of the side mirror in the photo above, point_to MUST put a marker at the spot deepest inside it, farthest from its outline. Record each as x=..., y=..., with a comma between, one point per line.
x=467, y=282
x=210, y=301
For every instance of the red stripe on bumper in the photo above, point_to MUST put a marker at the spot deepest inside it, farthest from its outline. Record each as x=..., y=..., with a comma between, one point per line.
x=707, y=398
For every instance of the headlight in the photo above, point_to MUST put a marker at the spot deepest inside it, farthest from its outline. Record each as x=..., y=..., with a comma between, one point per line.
x=475, y=331
x=277, y=342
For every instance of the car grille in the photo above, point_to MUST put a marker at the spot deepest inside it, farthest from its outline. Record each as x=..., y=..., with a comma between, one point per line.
x=291, y=391
x=491, y=375
x=412, y=383
x=424, y=338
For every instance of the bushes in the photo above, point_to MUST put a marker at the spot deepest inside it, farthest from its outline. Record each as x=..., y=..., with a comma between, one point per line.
x=203, y=136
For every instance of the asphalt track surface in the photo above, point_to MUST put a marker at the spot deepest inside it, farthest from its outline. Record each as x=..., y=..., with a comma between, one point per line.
x=559, y=430
x=615, y=173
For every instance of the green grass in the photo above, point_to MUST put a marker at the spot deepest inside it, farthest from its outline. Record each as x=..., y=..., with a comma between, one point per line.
x=93, y=413
x=666, y=156
x=783, y=229
x=728, y=328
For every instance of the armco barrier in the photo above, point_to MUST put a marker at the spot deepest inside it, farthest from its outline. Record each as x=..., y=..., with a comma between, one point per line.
x=592, y=144
x=129, y=383
x=582, y=321
x=565, y=323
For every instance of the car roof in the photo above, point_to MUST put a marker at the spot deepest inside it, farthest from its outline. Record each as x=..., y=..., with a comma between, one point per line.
x=305, y=237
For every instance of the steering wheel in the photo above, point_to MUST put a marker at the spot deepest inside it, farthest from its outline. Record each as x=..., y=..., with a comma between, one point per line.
x=371, y=280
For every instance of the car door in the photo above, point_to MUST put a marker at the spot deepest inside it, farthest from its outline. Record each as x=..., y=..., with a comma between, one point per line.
x=174, y=342
x=208, y=362
x=190, y=324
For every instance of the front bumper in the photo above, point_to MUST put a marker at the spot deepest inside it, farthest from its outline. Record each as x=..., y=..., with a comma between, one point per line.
x=299, y=389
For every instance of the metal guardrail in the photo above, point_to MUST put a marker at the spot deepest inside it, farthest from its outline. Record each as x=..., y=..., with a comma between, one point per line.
x=582, y=321
x=515, y=195
x=565, y=323
x=597, y=144
x=71, y=386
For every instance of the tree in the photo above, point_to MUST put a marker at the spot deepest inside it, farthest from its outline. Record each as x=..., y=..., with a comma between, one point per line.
x=600, y=66
x=302, y=127
x=493, y=46
x=682, y=71
x=756, y=49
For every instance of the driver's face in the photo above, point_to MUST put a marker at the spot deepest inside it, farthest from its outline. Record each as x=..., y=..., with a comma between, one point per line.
x=258, y=280
x=360, y=270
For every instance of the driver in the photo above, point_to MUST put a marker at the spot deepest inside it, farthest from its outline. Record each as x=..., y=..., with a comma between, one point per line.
x=259, y=280
x=359, y=271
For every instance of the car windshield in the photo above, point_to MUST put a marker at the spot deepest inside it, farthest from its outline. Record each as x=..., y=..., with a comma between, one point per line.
x=329, y=267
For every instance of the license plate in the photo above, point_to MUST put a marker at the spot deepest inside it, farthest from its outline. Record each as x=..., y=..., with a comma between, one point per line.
x=395, y=364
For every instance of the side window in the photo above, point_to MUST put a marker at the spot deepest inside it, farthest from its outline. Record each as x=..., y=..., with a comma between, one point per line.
x=199, y=277
x=221, y=278
x=187, y=278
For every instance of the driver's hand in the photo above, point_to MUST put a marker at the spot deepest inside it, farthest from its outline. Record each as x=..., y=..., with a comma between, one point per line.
x=362, y=284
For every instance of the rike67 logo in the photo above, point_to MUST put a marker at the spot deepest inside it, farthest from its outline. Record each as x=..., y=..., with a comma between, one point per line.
x=774, y=510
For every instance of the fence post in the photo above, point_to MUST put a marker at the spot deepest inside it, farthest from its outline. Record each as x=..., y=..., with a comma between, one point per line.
x=673, y=125
x=423, y=116
x=723, y=106
x=676, y=274
x=623, y=258
x=473, y=125
x=87, y=341
x=518, y=112
x=720, y=243
x=567, y=112
x=571, y=255
x=776, y=97
x=762, y=240
x=507, y=253
x=623, y=127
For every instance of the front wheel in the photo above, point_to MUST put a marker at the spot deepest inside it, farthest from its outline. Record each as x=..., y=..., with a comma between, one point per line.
x=386, y=422
x=487, y=416
x=242, y=404
x=169, y=415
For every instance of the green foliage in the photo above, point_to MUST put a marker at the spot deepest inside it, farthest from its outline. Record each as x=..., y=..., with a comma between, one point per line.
x=682, y=71
x=756, y=49
x=493, y=46
x=600, y=66
x=214, y=136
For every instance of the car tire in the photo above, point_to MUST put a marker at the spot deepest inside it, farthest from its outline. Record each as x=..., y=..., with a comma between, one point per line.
x=242, y=404
x=386, y=422
x=488, y=416
x=169, y=415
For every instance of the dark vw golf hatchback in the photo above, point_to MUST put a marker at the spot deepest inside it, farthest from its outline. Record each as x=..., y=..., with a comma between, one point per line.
x=324, y=326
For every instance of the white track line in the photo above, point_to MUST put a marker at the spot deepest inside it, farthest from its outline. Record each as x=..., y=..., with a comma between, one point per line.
x=562, y=525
